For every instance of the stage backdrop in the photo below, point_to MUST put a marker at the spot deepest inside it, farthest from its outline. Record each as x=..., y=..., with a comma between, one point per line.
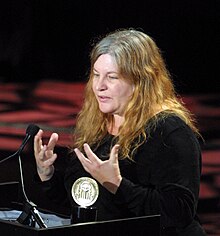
x=51, y=38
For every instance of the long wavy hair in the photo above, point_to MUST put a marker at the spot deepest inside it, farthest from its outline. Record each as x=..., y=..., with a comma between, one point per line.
x=139, y=61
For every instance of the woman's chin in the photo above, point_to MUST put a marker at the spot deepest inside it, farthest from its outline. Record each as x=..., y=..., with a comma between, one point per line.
x=105, y=110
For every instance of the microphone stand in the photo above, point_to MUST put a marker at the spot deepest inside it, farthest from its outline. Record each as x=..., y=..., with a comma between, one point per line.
x=26, y=139
x=30, y=215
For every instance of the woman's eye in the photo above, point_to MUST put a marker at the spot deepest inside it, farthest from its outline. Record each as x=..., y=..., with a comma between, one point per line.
x=112, y=77
x=96, y=75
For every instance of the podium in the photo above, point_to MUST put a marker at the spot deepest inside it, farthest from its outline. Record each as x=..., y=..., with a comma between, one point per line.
x=141, y=226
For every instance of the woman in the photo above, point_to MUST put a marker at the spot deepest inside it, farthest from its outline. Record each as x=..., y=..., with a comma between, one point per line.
x=133, y=136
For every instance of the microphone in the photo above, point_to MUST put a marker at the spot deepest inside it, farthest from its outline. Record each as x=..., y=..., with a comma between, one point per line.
x=30, y=214
x=31, y=131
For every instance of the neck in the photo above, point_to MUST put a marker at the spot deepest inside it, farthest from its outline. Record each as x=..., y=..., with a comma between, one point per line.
x=115, y=125
x=118, y=120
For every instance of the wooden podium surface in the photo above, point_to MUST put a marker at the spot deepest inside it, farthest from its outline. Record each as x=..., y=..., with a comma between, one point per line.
x=138, y=226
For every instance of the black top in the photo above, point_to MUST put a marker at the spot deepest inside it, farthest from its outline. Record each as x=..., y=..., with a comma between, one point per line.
x=163, y=179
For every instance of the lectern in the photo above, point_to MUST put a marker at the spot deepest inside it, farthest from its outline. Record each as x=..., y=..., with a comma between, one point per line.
x=141, y=226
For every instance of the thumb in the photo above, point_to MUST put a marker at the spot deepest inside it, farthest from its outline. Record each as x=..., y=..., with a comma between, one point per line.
x=114, y=153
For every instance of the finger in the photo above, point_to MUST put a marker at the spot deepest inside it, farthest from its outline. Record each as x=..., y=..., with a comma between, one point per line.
x=48, y=153
x=41, y=155
x=90, y=154
x=53, y=141
x=84, y=161
x=39, y=133
x=114, y=153
x=38, y=141
x=51, y=160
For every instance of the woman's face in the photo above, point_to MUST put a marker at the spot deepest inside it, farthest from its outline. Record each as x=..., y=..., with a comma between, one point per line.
x=111, y=91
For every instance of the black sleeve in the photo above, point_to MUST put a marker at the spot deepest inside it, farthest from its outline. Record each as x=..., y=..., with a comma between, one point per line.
x=54, y=188
x=173, y=192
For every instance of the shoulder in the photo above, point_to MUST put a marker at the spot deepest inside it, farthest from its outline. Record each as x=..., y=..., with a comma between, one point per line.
x=169, y=127
x=174, y=132
x=167, y=123
x=171, y=123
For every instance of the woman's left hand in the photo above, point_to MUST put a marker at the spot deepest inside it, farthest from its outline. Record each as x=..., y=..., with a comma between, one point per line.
x=106, y=172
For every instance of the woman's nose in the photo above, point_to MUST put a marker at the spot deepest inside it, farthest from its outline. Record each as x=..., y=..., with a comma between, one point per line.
x=101, y=84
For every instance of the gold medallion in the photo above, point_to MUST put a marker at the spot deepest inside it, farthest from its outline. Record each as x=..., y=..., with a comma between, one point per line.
x=85, y=191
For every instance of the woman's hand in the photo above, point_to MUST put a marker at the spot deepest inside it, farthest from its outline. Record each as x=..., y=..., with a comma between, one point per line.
x=44, y=155
x=107, y=172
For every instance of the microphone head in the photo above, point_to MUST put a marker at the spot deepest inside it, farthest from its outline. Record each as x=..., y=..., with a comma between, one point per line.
x=32, y=129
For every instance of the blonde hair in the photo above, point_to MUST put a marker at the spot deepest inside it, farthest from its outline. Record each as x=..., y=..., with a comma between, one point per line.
x=140, y=62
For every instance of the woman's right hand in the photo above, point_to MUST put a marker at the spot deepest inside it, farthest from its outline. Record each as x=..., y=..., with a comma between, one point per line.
x=44, y=155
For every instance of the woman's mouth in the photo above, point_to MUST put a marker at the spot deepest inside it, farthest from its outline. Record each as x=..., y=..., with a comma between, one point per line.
x=103, y=98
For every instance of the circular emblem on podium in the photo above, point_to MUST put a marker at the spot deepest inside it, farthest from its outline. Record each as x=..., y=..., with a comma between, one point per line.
x=85, y=191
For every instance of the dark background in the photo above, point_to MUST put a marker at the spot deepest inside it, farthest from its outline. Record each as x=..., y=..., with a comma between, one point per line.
x=44, y=48
x=50, y=39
